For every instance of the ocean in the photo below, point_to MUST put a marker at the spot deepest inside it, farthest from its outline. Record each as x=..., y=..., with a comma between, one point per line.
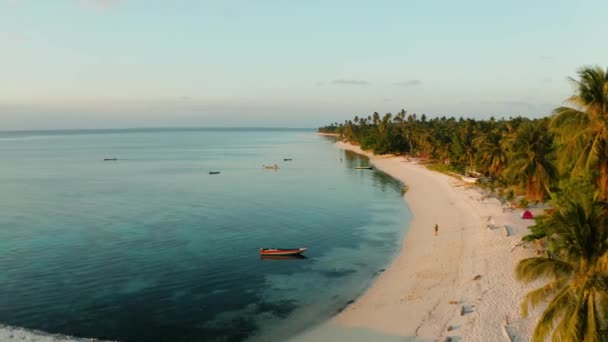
x=151, y=247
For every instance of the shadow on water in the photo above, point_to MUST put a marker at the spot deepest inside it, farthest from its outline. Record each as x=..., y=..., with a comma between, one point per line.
x=385, y=182
x=330, y=138
x=380, y=179
x=282, y=257
x=353, y=159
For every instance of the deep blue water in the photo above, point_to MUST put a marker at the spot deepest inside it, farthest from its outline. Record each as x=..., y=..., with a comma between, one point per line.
x=153, y=248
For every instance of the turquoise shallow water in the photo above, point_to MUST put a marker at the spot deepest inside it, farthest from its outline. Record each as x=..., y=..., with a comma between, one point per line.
x=152, y=247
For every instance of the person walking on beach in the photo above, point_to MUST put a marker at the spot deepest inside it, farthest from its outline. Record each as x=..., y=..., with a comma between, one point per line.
x=436, y=229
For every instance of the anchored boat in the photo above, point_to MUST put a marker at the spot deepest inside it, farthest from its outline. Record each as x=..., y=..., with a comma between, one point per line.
x=281, y=251
x=470, y=180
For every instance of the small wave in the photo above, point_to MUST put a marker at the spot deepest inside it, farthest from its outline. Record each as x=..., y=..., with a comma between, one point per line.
x=10, y=333
x=26, y=138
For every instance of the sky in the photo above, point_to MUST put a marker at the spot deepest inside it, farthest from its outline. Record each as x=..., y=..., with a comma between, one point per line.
x=280, y=63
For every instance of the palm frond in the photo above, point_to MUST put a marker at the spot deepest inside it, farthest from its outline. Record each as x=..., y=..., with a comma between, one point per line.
x=568, y=120
x=573, y=325
x=591, y=333
x=533, y=298
x=531, y=269
x=602, y=263
x=560, y=306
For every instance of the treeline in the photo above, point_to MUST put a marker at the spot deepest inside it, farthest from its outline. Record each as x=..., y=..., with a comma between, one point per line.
x=499, y=149
x=563, y=157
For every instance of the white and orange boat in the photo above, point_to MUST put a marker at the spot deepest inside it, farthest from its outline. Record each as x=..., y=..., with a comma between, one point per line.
x=281, y=251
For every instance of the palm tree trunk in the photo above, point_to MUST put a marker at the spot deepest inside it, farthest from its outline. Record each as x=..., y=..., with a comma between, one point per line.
x=530, y=192
x=603, y=181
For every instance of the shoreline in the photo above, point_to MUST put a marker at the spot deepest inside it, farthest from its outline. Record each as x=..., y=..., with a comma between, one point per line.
x=12, y=333
x=329, y=134
x=459, y=284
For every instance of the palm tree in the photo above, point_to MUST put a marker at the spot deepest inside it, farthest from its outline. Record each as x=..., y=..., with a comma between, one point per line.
x=466, y=135
x=577, y=274
x=376, y=118
x=531, y=163
x=491, y=155
x=424, y=138
x=408, y=132
x=583, y=130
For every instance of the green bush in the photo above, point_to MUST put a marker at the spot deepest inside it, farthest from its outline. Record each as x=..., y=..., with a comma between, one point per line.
x=510, y=195
x=523, y=202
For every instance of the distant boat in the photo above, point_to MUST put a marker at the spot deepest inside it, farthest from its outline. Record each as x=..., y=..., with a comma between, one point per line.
x=364, y=167
x=271, y=167
x=287, y=159
x=214, y=172
x=473, y=173
x=471, y=180
x=110, y=159
x=281, y=251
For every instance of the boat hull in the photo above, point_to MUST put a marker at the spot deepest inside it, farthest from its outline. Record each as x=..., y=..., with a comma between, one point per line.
x=470, y=180
x=281, y=251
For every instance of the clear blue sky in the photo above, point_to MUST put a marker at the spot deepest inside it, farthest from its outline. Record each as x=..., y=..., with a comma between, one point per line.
x=143, y=63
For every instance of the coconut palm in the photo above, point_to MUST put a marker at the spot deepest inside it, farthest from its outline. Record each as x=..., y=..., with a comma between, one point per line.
x=577, y=275
x=583, y=128
x=531, y=163
x=491, y=155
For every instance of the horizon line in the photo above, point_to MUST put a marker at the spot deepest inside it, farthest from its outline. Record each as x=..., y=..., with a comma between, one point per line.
x=181, y=128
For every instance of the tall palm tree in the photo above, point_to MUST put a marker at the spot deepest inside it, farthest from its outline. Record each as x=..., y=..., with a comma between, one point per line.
x=376, y=118
x=424, y=138
x=531, y=163
x=577, y=275
x=408, y=132
x=491, y=155
x=583, y=128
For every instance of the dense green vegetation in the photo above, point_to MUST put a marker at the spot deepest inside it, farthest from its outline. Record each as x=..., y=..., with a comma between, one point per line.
x=563, y=158
x=517, y=153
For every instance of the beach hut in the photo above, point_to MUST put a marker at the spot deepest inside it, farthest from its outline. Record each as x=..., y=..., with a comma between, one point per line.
x=527, y=215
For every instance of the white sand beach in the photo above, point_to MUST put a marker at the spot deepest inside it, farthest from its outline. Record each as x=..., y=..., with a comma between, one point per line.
x=458, y=285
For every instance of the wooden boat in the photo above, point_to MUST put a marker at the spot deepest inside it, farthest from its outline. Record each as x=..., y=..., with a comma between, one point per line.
x=471, y=180
x=110, y=159
x=214, y=172
x=473, y=173
x=281, y=251
x=287, y=159
x=364, y=167
x=271, y=167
